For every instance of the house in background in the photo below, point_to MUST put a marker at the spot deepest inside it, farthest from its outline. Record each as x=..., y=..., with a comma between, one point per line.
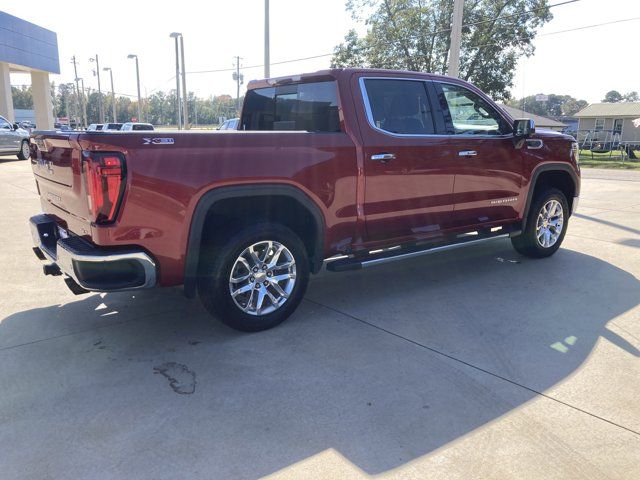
x=543, y=123
x=611, y=117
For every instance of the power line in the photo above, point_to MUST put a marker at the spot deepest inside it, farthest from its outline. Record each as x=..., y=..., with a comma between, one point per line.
x=438, y=32
x=564, y=31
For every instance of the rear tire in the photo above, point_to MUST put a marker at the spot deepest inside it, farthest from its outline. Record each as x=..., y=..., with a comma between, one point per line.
x=546, y=225
x=24, y=152
x=265, y=291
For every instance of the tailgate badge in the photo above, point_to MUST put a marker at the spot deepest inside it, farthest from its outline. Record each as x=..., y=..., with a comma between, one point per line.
x=158, y=141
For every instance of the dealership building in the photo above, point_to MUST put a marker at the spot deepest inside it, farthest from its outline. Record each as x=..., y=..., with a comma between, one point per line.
x=27, y=48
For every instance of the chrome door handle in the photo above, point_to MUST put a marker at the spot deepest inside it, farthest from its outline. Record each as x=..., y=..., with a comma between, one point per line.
x=383, y=157
x=467, y=153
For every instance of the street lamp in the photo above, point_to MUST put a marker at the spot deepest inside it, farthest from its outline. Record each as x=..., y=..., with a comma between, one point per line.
x=113, y=94
x=175, y=36
x=100, y=103
x=138, y=80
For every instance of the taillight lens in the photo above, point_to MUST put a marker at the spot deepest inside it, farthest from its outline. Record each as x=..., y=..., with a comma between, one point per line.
x=105, y=185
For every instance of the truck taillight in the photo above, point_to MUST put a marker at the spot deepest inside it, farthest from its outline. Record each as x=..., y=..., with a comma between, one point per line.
x=105, y=185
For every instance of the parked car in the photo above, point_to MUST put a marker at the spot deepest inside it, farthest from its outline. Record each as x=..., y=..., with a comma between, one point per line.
x=95, y=127
x=136, y=126
x=13, y=140
x=231, y=124
x=357, y=168
x=65, y=128
x=112, y=127
x=27, y=125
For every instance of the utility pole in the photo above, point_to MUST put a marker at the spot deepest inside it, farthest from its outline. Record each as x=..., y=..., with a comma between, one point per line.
x=113, y=95
x=239, y=78
x=267, y=69
x=456, y=35
x=185, y=99
x=101, y=101
x=80, y=98
x=175, y=36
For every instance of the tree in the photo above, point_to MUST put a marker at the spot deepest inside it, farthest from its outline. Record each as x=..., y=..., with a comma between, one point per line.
x=612, y=96
x=415, y=35
x=554, y=106
x=22, y=97
x=631, y=97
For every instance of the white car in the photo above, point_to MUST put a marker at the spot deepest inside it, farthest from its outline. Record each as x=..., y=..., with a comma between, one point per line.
x=231, y=124
x=14, y=140
x=111, y=127
x=136, y=126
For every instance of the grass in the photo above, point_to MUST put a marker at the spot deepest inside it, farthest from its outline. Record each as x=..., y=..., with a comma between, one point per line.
x=604, y=160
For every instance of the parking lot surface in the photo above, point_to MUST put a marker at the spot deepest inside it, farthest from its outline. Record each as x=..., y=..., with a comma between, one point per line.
x=476, y=363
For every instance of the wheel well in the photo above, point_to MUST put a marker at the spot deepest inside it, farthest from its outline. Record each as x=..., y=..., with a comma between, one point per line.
x=232, y=213
x=556, y=179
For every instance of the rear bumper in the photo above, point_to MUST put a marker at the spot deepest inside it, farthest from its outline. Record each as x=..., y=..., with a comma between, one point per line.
x=91, y=267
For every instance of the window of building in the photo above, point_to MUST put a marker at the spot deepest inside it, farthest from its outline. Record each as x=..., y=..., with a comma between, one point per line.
x=311, y=107
x=617, y=125
x=399, y=106
x=599, y=124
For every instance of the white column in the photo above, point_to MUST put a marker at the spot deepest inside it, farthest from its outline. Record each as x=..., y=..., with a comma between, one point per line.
x=41, y=91
x=6, y=99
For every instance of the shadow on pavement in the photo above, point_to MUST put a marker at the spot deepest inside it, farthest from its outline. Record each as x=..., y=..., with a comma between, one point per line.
x=111, y=396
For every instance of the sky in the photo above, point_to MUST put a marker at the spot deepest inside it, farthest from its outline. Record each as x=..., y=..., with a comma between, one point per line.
x=583, y=63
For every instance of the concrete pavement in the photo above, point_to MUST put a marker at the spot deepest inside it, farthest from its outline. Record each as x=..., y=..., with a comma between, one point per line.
x=476, y=363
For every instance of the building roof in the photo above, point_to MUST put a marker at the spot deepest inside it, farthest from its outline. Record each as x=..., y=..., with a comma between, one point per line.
x=622, y=109
x=539, y=120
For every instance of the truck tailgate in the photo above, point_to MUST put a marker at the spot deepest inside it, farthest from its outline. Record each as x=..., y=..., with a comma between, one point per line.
x=56, y=161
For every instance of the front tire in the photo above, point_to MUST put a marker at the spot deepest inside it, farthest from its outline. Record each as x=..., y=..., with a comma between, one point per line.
x=24, y=152
x=255, y=279
x=546, y=225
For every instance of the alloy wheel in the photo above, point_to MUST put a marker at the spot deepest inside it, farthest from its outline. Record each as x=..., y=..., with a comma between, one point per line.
x=262, y=277
x=549, y=223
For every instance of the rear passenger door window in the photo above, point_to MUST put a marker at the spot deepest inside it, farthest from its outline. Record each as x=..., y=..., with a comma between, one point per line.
x=399, y=107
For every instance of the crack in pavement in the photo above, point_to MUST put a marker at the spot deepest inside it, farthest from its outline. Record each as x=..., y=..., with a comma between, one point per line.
x=480, y=369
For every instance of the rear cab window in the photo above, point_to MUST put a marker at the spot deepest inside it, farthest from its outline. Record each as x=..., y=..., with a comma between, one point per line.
x=310, y=107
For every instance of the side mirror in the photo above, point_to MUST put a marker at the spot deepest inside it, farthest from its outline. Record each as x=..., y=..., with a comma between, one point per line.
x=16, y=126
x=523, y=128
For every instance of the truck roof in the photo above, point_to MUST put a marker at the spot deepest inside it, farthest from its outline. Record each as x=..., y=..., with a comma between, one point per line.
x=335, y=73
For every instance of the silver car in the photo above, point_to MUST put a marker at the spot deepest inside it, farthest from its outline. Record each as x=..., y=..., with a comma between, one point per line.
x=13, y=140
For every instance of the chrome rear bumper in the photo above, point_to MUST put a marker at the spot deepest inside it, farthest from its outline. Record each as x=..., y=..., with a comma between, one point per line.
x=91, y=267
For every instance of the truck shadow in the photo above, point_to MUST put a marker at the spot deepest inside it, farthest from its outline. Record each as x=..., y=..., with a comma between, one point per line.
x=332, y=377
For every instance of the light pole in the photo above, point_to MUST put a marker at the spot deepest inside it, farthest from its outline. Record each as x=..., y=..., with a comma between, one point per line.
x=175, y=36
x=267, y=69
x=113, y=95
x=101, y=102
x=185, y=99
x=138, y=80
x=82, y=101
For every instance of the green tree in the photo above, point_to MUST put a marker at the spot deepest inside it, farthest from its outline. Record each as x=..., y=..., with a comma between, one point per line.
x=631, y=97
x=612, y=96
x=554, y=106
x=415, y=35
x=22, y=97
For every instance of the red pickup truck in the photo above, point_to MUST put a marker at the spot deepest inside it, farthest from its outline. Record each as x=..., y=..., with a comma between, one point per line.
x=349, y=168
